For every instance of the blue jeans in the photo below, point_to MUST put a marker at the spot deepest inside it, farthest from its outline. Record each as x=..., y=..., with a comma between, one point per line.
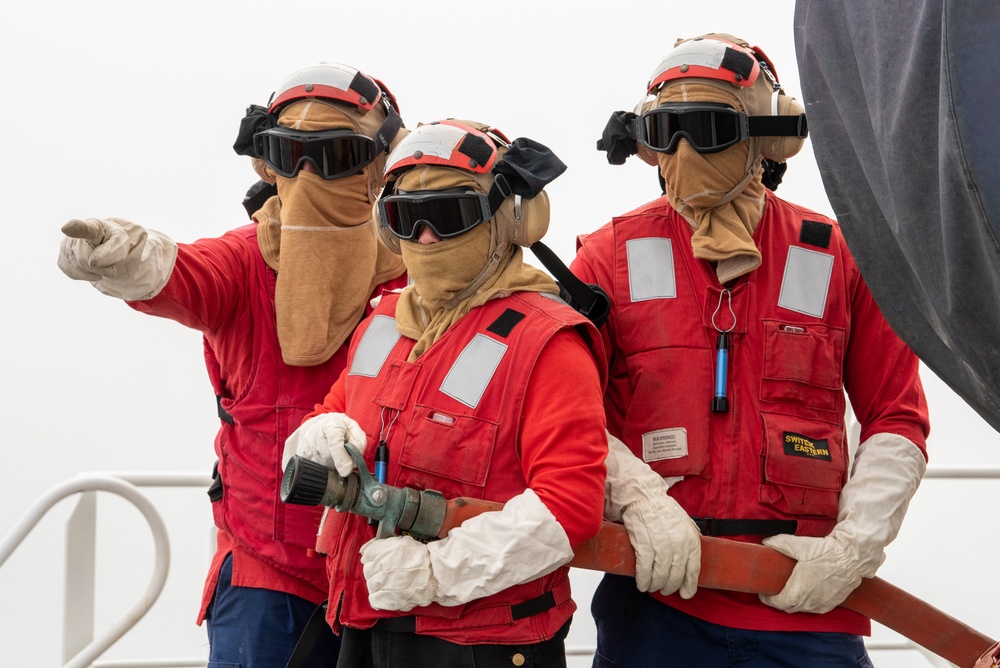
x=258, y=628
x=634, y=630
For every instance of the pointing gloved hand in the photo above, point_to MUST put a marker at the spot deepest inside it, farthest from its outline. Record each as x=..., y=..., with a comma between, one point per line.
x=321, y=439
x=485, y=555
x=119, y=258
x=887, y=471
x=666, y=540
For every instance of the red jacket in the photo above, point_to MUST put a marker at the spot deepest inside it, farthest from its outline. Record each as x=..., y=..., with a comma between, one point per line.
x=223, y=288
x=803, y=328
x=481, y=414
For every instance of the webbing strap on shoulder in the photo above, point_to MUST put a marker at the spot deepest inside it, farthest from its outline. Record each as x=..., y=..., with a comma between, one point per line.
x=587, y=299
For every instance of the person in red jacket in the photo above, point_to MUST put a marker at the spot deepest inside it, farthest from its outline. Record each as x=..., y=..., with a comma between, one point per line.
x=274, y=340
x=475, y=381
x=738, y=322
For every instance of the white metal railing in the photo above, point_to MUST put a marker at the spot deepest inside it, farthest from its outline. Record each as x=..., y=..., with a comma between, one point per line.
x=80, y=650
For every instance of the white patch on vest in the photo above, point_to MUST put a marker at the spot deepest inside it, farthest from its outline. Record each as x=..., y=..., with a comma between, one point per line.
x=806, y=282
x=664, y=444
x=650, y=269
x=375, y=346
x=472, y=371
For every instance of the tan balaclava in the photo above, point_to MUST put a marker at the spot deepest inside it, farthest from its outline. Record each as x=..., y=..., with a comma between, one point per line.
x=720, y=194
x=447, y=276
x=319, y=236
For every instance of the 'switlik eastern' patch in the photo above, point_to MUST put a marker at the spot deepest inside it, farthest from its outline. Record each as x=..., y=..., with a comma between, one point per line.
x=803, y=446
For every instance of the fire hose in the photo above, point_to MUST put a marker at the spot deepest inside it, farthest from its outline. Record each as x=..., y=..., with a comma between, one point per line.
x=725, y=564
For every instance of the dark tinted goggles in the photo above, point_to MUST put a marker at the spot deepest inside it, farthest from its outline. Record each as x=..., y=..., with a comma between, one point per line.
x=709, y=127
x=334, y=153
x=448, y=212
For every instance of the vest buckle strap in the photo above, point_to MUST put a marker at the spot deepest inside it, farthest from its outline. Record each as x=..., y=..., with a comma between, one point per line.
x=711, y=526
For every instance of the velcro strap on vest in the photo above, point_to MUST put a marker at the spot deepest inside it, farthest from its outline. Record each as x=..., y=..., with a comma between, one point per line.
x=223, y=415
x=215, y=489
x=529, y=608
x=505, y=323
x=711, y=526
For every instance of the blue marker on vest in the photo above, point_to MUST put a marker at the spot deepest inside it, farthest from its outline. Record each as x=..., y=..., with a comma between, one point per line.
x=720, y=404
x=381, y=461
x=381, y=466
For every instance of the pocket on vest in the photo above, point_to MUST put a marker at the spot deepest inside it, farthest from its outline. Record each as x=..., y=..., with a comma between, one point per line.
x=804, y=466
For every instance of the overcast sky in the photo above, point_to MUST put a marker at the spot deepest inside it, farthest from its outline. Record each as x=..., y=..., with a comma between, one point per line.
x=130, y=110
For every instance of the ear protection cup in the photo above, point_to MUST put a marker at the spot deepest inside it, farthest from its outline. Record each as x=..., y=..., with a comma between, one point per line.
x=781, y=149
x=523, y=221
x=384, y=234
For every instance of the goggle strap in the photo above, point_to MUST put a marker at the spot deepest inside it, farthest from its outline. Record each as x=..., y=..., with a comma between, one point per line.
x=390, y=127
x=500, y=191
x=778, y=126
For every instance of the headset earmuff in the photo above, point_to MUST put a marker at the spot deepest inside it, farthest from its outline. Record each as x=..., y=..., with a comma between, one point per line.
x=527, y=218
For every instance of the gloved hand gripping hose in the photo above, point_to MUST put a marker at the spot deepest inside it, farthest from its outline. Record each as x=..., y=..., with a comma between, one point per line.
x=725, y=564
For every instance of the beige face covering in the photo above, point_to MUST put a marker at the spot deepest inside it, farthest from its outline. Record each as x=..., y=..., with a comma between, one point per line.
x=720, y=194
x=319, y=236
x=442, y=270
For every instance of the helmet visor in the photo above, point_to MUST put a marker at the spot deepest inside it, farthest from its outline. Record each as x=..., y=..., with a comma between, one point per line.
x=334, y=153
x=709, y=127
x=448, y=213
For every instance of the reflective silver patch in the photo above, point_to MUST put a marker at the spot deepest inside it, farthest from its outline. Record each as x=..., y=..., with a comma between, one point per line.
x=375, y=346
x=650, y=269
x=806, y=282
x=472, y=371
x=549, y=295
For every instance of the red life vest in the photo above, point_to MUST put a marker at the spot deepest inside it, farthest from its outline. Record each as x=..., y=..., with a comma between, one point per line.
x=264, y=398
x=796, y=323
x=451, y=423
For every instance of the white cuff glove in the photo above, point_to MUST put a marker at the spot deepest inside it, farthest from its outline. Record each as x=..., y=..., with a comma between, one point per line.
x=887, y=471
x=321, y=439
x=119, y=258
x=666, y=540
x=485, y=555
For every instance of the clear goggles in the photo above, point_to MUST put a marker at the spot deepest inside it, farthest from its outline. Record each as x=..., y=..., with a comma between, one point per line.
x=334, y=153
x=448, y=213
x=708, y=126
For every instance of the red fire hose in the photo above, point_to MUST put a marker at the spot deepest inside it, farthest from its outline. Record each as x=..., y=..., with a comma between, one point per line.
x=751, y=568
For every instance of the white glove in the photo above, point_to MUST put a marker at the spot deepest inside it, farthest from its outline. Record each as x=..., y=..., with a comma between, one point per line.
x=398, y=573
x=887, y=471
x=321, y=439
x=119, y=258
x=484, y=556
x=666, y=540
